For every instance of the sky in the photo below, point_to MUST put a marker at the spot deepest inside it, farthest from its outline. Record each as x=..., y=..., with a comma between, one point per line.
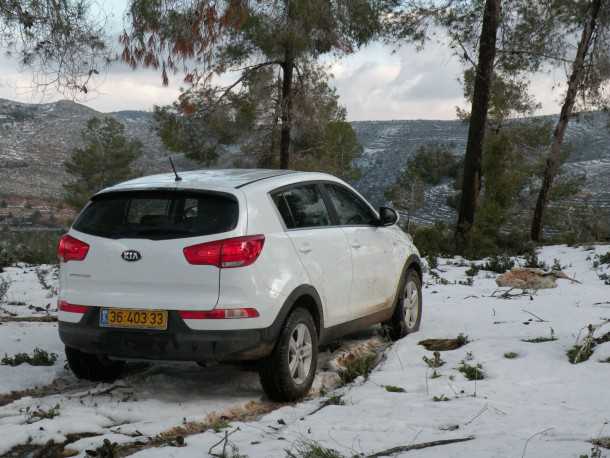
x=378, y=82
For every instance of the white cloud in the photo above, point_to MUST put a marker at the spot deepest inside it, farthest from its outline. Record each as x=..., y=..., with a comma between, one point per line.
x=377, y=83
x=373, y=84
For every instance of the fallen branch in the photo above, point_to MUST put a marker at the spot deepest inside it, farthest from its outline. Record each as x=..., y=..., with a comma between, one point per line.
x=225, y=442
x=8, y=312
x=104, y=391
x=531, y=437
x=327, y=402
x=407, y=448
x=481, y=412
x=507, y=295
x=540, y=320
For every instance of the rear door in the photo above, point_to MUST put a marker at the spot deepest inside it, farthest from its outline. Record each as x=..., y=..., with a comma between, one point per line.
x=322, y=248
x=373, y=273
x=136, y=254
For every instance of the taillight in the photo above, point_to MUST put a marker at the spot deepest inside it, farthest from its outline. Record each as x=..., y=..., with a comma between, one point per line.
x=71, y=249
x=218, y=314
x=65, y=306
x=228, y=253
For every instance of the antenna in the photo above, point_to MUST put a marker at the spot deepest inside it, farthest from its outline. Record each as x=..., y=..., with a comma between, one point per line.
x=178, y=177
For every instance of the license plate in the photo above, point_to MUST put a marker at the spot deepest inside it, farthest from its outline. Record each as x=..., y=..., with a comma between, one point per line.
x=130, y=318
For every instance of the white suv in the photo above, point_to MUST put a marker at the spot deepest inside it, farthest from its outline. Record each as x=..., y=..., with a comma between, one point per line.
x=231, y=265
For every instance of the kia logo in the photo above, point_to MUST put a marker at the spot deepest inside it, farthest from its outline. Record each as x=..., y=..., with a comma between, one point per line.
x=131, y=255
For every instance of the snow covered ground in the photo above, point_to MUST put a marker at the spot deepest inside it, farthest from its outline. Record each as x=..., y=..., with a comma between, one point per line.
x=536, y=405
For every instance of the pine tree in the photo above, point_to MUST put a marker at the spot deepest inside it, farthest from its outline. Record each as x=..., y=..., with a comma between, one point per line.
x=60, y=41
x=238, y=37
x=510, y=40
x=589, y=75
x=471, y=184
x=246, y=124
x=105, y=159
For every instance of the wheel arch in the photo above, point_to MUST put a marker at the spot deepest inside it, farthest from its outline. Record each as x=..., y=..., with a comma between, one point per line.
x=304, y=296
x=413, y=262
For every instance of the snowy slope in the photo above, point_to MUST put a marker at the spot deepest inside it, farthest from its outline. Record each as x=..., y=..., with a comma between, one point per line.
x=536, y=405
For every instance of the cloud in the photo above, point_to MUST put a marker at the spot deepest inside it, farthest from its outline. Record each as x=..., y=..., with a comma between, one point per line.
x=375, y=83
x=118, y=89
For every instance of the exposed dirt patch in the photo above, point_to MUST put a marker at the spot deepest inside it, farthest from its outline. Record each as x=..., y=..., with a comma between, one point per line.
x=444, y=344
x=58, y=386
x=28, y=319
x=531, y=279
x=175, y=436
x=48, y=450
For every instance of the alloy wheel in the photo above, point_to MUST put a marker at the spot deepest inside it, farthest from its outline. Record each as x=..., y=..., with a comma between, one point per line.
x=300, y=352
x=411, y=304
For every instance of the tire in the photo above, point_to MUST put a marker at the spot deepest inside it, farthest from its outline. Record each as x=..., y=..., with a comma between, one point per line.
x=93, y=367
x=280, y=382
x=407, y=314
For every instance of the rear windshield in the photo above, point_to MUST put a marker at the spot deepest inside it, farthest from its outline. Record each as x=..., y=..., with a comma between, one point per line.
x=158, y=214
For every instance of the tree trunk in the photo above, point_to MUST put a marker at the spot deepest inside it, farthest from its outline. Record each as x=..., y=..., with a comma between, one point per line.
x=471, y=185
x=268, y=157
x=554, y=159
x=287, y=71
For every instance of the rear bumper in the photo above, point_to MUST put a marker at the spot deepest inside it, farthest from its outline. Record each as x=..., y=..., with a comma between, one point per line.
x=177, y=343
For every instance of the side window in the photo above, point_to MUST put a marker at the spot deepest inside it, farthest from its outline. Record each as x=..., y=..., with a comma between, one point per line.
x=301, y=207
x=350, y=208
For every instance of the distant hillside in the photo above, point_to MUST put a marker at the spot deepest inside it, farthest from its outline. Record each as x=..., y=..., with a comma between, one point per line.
x=36, y=139
x=388, y=145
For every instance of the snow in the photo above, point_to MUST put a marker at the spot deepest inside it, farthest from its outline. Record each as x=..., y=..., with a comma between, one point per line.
x=23, y=338
x=536, y=405
x=26, y=295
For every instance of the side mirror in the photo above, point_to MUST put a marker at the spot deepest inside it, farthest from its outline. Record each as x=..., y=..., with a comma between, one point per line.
x=387, y=216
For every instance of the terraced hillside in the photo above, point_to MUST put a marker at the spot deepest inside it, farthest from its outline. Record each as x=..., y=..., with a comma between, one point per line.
x=36, y=139
x=388, y=145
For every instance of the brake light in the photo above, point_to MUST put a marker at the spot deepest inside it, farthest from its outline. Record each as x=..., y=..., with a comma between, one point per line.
x=218, y=314
x=228, y=253
x=65, y=306
x=71, y=249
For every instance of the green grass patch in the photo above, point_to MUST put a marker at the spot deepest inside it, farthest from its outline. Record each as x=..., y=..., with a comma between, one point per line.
x=441, y=398
x=551, y=338
x=579, y=353
x=334, y=400
x=361, y=365
x=312, y=449
x=39, y=357
x=473, y=270
x=219, y=424
x=511, y=355
x=394, y=389
x=539, y=339
x=604, y=258
x=472, y=372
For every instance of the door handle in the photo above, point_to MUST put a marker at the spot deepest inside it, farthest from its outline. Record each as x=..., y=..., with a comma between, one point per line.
x=356, y=245
x=305, y=249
